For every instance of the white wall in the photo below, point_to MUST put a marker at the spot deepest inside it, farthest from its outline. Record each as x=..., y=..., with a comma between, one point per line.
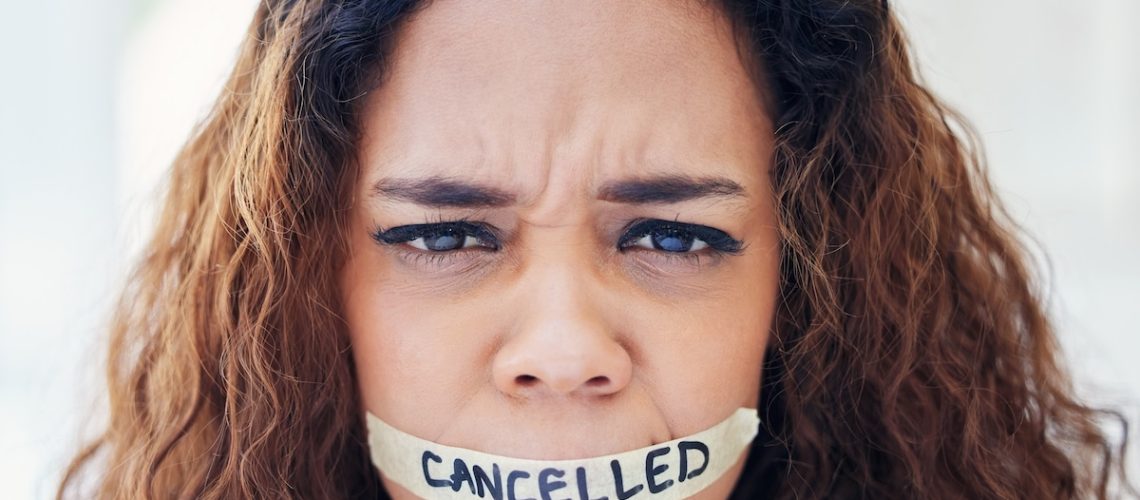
x=88, y=121
x=57, y=222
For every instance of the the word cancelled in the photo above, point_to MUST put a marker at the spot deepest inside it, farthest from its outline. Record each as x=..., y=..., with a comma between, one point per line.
x=676, y=469
x=501, y=483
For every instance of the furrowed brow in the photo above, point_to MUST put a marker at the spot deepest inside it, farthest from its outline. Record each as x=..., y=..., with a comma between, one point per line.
x=442, y=192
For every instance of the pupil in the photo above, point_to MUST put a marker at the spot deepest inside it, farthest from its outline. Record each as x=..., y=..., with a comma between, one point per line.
x=673, y=241
x=443, y=241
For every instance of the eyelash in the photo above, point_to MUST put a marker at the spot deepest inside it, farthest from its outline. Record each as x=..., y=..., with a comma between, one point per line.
x=717, y=243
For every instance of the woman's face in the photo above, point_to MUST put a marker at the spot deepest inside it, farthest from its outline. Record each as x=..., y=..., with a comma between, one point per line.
x=562, y=240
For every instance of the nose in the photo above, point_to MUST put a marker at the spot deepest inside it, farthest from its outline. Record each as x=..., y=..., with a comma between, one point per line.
x=561, y=343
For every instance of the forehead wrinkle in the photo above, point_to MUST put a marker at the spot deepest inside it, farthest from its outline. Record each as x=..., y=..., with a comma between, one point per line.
x=545, y=145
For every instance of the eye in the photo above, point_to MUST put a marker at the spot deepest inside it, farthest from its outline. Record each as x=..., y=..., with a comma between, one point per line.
x=671, y=241
x=677, y=237
x=443, y=240
x=440, y=237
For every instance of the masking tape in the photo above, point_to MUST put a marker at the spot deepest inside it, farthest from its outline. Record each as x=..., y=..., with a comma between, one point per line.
x=676, y=469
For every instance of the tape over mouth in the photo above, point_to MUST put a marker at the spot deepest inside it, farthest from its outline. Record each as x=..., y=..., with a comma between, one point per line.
x=674, y=469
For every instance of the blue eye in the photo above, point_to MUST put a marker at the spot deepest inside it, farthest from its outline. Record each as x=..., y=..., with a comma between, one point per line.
x=670, y=241
x=669, y=237
x=677, y=237
x=440, y=237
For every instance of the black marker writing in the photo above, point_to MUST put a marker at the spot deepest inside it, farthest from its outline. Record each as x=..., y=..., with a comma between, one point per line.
x=486, y=480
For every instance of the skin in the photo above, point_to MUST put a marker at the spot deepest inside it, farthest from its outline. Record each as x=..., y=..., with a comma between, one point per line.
x=558, y=344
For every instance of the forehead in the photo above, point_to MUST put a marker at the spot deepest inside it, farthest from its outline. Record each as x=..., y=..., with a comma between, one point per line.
x=570, y=92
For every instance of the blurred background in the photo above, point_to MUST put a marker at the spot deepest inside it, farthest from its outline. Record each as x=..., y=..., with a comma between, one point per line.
x=98, y=96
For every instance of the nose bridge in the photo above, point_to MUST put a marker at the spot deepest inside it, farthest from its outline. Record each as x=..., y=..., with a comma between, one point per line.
x=561, y=276
x=562, y=289
x=562, y=340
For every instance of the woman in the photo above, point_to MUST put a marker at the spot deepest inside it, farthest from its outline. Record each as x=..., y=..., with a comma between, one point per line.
x=559, y=233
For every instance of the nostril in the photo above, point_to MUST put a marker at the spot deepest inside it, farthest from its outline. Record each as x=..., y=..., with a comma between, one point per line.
x=598, y=381
x=526, y=380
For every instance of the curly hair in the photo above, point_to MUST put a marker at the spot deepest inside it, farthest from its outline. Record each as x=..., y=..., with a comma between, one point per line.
x=911, y=356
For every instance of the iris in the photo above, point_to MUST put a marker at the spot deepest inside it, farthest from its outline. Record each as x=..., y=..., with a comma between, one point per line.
x=672, y=240
x=444, y=240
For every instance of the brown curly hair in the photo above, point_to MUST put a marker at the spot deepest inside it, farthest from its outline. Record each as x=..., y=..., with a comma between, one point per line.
x=911, y=356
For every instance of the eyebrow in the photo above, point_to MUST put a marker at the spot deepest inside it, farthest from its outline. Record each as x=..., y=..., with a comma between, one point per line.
x=444, y=192
x=665, y=189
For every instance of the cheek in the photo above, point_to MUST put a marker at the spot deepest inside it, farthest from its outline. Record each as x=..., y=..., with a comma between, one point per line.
x=705, y=348
x=411, y=344
x=707, y=354
x=407, y=341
